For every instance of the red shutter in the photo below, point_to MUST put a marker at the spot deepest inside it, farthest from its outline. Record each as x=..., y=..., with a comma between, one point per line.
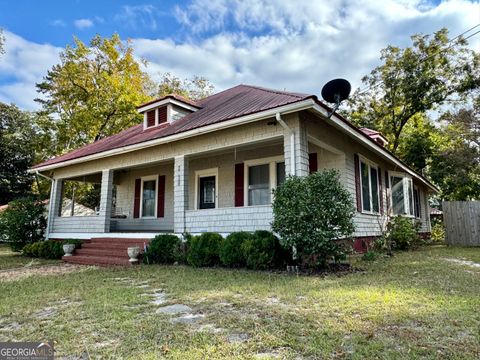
x=312, y=162
x=136, y=200
x=162, y=115
x=239, y=179
x=161, y=197
x=380, y=189
x=150, y=118
x=357, y=181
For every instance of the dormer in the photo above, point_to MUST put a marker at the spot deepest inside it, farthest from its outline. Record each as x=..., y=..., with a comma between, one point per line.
x=375, y=136
x=166, y=110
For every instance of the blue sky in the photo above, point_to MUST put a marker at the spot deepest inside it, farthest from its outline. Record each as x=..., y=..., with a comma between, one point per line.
x=294, y=45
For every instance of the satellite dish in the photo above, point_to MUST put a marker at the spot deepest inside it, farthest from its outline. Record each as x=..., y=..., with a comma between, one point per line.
x=335, y=91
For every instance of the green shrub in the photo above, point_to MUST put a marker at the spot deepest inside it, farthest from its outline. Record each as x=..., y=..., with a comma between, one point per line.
x=310, y=213
x=49, y=249
x=204, y=250
x=23, y=222
x=263, y=251
x=402, y=233
x=231, y=253
x=164, y=249
x=438, y=233
x=370, y=255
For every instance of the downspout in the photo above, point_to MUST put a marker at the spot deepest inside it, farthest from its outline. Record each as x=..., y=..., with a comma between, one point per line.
x=292, y=142
x=49, y=203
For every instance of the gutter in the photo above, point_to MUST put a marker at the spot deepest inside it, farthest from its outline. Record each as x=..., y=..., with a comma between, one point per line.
x=278, y=116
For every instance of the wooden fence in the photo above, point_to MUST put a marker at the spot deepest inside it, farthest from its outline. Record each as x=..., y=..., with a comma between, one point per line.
x=462, y=222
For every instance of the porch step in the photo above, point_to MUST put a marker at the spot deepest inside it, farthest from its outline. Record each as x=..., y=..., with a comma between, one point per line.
x=105, y=251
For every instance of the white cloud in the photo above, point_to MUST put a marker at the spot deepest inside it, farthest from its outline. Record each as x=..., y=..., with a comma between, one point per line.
x=138, y=16
x=58, y=22
x=24, y=64
x=82, y=24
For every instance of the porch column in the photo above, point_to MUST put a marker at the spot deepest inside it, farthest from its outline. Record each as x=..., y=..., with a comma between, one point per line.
x=105, y=211
x=54, y=205
x=180, y=193
x=295, y=146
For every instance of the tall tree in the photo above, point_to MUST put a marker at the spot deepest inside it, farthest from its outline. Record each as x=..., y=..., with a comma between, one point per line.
x=17, y=152
x=414, y=80
x=93, y=92
x=195, y=88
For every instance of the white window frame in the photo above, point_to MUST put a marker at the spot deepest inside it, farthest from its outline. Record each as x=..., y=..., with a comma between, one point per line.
x=370, y=164
x=405, y=179
x=205, y=173
x=143, y=179
x=272, y=162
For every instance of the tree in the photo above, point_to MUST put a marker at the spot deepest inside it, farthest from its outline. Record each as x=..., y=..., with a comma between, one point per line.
x=195, y=88
x=311, y=214
x=17, y=152
x=92, y=93
x=414, y=80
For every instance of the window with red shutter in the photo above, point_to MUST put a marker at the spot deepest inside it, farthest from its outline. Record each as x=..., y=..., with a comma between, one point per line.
x=239, y=183
x=136, y=200
x=150, y=118
x=161, y=197
x=162, y=115
x=312, y=162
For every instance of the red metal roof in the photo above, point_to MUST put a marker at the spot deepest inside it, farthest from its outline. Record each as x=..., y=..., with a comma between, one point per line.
x=232, y=103
x=175, y=97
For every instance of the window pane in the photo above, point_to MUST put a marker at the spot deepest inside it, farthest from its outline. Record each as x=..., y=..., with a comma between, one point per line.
x=410, y=196
x=365, y=188
x=280, y=173
x=398, y=197
x=416, y=199
x=374, y=186
x=259, y=185
x=148, y=201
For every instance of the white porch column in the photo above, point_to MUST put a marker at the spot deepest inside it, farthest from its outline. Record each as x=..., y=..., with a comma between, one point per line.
x=180, y=193
x=295, y=144
x=105, y=211
x=54, y=205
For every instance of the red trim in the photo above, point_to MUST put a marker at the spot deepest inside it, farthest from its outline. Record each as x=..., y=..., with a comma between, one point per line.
x=239, y=179
x=162, y=115
x=136, y=200
x=150, y=118
x=161, y=197
x=356, y=162
x=312, y=162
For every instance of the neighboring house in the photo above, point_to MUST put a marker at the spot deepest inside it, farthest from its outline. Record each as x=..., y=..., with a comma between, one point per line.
x=211, y=165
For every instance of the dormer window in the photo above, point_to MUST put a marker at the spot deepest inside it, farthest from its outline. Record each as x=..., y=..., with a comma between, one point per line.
x=166, y=110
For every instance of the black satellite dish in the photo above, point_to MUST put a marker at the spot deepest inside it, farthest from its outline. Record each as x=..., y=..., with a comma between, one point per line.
x=335, y=91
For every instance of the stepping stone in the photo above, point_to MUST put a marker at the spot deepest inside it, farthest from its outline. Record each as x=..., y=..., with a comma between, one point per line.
x=46, y=313
x=237, y=338
x=158, y=299
x=210, y=328
x=10, y=327
x=174, y=309
x=188, y=318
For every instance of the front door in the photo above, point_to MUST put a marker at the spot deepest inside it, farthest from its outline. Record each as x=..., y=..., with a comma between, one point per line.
x=207, y=192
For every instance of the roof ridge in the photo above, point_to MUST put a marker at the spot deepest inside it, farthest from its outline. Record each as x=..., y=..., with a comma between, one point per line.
x=275, y=91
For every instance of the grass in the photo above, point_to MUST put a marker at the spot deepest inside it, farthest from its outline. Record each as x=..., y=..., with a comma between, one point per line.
x=9, y=259
x=414, y=305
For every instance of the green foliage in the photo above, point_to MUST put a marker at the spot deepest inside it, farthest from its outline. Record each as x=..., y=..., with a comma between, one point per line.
x=195, y=88
x=370, y=255
x=438, y=232
x=23, y=222
x=403, y=233
x=311, y=213
x=164, y=249
x=414, y=80
x=231, y=253
x=92, y=93
x=203, y=250
x=263, y=251
x=17, y=153
x=49, y=249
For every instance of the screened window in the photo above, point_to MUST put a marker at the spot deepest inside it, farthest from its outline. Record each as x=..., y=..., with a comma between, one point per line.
x=148, y=198
x=402, y=195
x=259, y=185
x=369, y=186
x=416, y=201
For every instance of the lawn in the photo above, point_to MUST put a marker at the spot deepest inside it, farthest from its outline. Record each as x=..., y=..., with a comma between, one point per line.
x=421, y=304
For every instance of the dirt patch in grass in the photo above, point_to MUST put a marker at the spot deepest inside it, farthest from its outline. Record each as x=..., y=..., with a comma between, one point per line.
x=45, y=270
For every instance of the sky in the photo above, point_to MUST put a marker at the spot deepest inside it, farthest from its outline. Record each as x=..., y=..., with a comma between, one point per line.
x=294, y=45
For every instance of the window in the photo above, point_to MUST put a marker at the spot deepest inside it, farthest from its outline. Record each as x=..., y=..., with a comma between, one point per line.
x=369, y=186
x=280, y=173
x=149, y=197
x=416, y=201
x=259, y=185
x=206, y=185
x=402, y=194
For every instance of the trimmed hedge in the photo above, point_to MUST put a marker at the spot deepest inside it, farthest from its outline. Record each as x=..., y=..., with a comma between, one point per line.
x=263, y=251
x=164, y=249
x=231, y=254
x=204, y=250
x=48, y=249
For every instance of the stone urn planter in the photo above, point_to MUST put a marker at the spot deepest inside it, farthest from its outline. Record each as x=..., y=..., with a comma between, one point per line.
x=68, y=249
x=133, y=253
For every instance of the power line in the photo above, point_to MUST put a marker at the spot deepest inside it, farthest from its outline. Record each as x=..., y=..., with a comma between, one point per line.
x=362, y=91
